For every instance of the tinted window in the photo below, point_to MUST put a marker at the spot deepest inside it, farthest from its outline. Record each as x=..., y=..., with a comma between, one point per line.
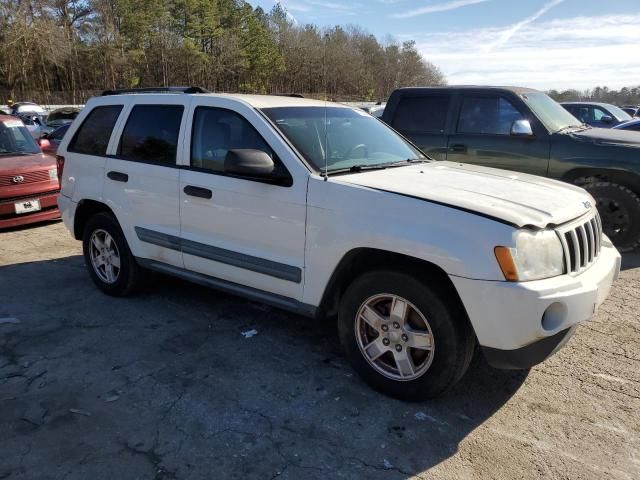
x=487, y=115
x=58, y=133
x=215, y=132
x=93, y=135
x=151, y=134
x=422, y=114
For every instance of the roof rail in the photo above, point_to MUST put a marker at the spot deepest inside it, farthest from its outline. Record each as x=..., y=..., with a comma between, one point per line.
x=156, y=90
x=294, y=95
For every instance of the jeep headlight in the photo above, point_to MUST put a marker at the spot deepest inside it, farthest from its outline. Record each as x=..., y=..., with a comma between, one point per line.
x=53, y=174
x=537, y=255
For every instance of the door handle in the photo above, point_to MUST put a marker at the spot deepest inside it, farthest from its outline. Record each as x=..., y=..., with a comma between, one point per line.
x=458, y=147
x=198, y=192
x=118, y=177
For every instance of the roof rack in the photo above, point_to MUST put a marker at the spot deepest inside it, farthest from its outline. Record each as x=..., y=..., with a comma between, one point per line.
x=156, y=90
x=294, y=95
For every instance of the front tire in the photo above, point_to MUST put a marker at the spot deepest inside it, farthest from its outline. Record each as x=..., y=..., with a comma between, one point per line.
x=406, y=338
x=111, y=264
x=619, y=209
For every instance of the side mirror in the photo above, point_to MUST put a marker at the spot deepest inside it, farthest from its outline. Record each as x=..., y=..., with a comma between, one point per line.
x=606, y=119
x=44, y=143
x=249, y=163
x=521, y=128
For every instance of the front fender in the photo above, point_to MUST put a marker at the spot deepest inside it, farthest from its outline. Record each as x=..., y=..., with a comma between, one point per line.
x=342, y=217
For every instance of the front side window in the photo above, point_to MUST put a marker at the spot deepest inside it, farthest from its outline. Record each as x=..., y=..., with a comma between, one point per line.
x=422, y=114
x=92, y=138
x=487, y=115
x=216, y=131
x=338, y=138
x=151, y=134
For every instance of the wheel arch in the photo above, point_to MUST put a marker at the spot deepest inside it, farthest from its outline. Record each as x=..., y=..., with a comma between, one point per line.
x=625, y=178
x=84, y=211
x=361, y=260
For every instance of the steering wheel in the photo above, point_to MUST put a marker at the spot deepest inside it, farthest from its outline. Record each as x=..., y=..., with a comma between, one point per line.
x=348, y=153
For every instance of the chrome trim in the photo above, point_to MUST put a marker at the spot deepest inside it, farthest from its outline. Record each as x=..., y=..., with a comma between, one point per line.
x=581, y=241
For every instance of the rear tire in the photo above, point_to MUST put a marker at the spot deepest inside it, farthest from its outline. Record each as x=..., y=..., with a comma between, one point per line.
x=111, y=264
x=400, y=361
x=619, y=209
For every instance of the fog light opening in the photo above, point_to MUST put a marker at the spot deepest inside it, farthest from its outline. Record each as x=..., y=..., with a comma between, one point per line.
x=554, y=316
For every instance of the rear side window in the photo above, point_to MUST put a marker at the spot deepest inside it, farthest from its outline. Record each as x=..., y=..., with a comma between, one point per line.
x=92, y=138
x=422, y=114
x=151, y=134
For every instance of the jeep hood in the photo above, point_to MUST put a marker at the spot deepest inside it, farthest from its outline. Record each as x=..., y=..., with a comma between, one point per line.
x=608, y=136
x=515, y=198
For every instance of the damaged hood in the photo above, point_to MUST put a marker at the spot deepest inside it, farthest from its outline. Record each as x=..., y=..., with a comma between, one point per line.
x=516, y=198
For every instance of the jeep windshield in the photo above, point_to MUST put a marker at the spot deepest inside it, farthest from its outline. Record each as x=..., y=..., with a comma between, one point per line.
x=15, y=139
x=347, y=139
x=550, y=113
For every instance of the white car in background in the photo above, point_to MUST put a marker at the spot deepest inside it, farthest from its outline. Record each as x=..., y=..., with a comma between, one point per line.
x=320, y=209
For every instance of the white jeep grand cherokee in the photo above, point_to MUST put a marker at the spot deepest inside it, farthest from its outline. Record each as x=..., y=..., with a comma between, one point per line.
x=321, y=209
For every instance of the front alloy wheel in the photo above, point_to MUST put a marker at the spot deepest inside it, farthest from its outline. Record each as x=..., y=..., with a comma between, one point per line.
x=407, y=336
x=394, y=337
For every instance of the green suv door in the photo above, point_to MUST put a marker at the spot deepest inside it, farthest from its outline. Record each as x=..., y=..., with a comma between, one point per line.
x=483, y=133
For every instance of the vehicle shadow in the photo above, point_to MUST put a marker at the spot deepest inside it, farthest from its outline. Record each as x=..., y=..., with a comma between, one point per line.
x=171, y=378
x=631, y=260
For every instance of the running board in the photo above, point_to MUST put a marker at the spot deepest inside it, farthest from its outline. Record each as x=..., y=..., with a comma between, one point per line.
x=250, y=293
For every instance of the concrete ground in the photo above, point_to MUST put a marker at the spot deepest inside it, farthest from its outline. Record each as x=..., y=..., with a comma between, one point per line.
x=164, y=386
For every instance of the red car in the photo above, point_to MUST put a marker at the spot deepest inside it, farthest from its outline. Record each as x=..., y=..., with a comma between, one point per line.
x=28, y=178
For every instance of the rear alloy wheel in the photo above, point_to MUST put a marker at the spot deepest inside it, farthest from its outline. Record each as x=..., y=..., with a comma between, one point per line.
x=619, y=209
x=407, y=337
x=111, y=265
x=105, y=257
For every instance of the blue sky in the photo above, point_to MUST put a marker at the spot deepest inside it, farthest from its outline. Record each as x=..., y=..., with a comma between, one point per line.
x=538, y=43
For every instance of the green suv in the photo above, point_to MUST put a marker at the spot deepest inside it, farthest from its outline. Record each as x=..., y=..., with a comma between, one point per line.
x=525, y=130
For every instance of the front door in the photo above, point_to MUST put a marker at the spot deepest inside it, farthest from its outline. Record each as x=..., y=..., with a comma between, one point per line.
x=482, y=136
x=240, y=230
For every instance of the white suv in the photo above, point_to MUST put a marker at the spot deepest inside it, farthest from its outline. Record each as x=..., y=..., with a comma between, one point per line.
x=323, y=210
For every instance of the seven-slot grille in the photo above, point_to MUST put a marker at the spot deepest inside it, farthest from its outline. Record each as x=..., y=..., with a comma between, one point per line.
x=30, y=177
x=581, y=242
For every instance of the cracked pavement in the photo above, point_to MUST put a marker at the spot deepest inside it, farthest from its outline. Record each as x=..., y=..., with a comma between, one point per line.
x=164, y=386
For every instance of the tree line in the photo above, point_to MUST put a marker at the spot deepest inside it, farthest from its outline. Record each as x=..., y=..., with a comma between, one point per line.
x=622, y=97
x=63, y=51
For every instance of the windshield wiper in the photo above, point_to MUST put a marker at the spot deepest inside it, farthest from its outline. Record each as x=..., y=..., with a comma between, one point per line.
x=569, y=127
x=378, y=166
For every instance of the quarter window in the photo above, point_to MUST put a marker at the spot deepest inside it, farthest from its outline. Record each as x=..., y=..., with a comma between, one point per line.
x=92, y=138
x=487, y=115
x=216, y=131
x=151, y=134
x=422, y=114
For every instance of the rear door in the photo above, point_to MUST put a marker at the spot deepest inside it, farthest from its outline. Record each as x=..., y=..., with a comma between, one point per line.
x=422, y=118
x=482, y=135
x=142, y=176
